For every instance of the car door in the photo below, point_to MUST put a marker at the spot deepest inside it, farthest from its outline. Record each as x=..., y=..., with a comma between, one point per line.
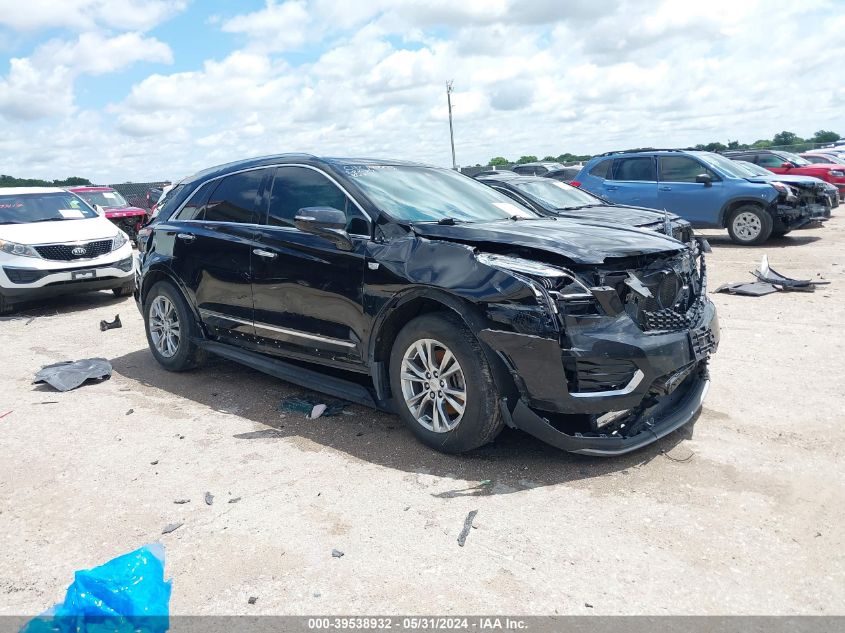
x=633, y=181
x=772, y=162
x=212, y=238
x=679, y=193
x=306, y=291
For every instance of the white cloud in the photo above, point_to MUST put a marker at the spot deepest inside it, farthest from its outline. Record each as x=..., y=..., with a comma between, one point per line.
x=129, y=15
x=531, y=77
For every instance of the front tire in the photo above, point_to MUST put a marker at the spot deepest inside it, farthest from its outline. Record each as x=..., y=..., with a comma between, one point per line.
x=442, y=384
x=749, y=225
x=170, y=328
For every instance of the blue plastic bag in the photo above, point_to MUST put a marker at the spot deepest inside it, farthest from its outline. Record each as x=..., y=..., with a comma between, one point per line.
x=128, y=593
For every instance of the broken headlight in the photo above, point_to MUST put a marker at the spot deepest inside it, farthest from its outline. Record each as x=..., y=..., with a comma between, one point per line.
x=119, y=240
x=21, y=250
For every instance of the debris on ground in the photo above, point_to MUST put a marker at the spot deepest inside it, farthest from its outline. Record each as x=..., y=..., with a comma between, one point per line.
x=260, y=435
x=128, y=593
x=312, y=407
x=462, y=537
x=130, y=412
x=209, y=498
x=235, y=500
x=171, y=527
x=154, y=463
x=588, y=605
x=336, y=553
x=71, y=374
x=747, y=288
x=111, y=325
x=180, y=502
x=252, y=600
x=49, y=402
x=769, y=281
x=3, y=415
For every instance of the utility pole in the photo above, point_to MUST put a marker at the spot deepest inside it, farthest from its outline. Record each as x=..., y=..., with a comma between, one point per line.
x=451, y=130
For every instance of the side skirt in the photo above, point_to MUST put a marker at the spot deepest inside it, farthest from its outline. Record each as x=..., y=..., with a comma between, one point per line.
x=302, y=376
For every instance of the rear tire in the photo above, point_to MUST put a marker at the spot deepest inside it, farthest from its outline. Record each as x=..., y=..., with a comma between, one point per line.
x=749, y=225
x=170, y=328
x=457, y=410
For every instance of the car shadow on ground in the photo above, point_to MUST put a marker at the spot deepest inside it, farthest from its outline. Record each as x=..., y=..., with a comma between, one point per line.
x=515, y=461
x=67, y=304
x=724, y=241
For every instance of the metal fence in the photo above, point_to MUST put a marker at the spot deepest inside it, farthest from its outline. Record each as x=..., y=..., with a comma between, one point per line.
x=136, y=192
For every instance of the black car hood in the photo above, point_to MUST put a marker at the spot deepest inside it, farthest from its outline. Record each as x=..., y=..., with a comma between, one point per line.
x=580, y=241
x=610, y=213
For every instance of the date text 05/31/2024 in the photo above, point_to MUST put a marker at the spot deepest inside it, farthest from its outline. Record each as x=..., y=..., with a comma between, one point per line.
x=417, y=623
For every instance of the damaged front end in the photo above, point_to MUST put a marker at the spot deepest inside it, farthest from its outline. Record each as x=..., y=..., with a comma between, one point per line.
x=625, y=359
x=800, y=206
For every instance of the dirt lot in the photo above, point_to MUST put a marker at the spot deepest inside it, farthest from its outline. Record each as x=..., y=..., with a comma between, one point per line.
x=741, y=513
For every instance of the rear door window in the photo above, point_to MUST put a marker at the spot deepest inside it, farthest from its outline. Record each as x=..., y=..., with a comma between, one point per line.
x=639, y=169
x=234, y=198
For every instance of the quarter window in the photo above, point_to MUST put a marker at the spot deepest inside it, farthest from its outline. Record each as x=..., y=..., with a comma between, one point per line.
x=295, y=188
x=634, y=169
x=602, y=169
x=234, y=198
x=681, y=169
x=195, y=206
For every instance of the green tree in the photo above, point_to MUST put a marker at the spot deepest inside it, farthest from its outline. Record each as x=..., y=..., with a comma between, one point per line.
x=761, y=143
x=825, y=136
x=499, y=161
x=786, y=138
x=526, y=159
x=72, y=181
x=552, y=159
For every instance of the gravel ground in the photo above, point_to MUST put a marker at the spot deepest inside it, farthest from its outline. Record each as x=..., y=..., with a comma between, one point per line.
x=741, y=513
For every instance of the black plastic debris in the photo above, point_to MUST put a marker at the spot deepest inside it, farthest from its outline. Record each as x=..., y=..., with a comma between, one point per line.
x=252, y=600
x=171, y=527
x=312, y=407
x=767, y=274
x=747, y=289
x=235, y=500
x=462, y=537
x=111, y=325
x=209, y=498
x=180, y=502
x=336, y=553
x=71, y=374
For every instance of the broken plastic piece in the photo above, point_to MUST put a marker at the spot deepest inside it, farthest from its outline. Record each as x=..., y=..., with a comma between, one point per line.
x=769, y=275
x=71, y=374
x=309, y=406
x=111, y=325
x=128, y=593
x=171, y=527
x=748, y=289
x=462, y=537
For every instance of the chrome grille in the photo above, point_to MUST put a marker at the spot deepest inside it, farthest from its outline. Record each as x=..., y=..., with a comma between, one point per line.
x=64, y=252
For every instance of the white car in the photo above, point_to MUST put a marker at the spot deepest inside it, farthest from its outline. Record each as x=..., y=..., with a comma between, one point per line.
x=52, y=243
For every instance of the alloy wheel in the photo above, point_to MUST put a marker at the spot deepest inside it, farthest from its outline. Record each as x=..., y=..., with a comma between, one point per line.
x=433, y=385
x=164, y=326
x=747, y=226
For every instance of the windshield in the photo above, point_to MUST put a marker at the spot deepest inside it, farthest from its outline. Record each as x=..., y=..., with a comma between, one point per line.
x=795, y=159
x=752, y=169
x=104, y=198
x=556, y=195
x=429, y=194
x=725, y=165
x=43, y=207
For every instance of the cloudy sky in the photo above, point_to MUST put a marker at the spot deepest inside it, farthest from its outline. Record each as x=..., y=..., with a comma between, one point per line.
x=118, y=90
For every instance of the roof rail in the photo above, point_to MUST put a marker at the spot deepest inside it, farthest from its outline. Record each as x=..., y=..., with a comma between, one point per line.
x=644, y=149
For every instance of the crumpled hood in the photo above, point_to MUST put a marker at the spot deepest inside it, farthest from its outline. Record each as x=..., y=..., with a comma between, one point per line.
x=59, y=232
x=580, y=241
x=633, y=216
x=123, y=212
x=790, y=180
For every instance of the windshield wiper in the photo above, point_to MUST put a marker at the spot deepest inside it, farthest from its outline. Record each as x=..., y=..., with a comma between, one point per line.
x=53, y=220
x=447, y=221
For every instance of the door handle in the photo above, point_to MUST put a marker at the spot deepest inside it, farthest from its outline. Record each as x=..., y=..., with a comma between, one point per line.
x=665, y=188
x=186, y=237
x=263, y=253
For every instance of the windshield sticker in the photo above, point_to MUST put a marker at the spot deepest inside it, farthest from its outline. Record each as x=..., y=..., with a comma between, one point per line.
x=109, y=195
x=511, y=209
x=11, y=205
x=71, y=213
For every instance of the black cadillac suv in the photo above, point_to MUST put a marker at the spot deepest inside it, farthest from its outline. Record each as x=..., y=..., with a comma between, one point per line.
x=420, y=291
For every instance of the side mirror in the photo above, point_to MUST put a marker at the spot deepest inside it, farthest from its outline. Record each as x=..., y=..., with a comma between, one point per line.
x=787, y=165
x=326, y=222
x=99, y=209
x=704, y=179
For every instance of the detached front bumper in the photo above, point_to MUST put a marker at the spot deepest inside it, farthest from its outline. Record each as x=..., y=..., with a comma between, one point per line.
x=660, y=378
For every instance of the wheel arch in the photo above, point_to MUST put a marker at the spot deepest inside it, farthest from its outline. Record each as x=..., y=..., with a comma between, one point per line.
x=734, y=204
x=413, y=303
x=160, y=273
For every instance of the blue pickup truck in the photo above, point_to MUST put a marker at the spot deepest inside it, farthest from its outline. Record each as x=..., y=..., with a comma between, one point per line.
x=708, y=190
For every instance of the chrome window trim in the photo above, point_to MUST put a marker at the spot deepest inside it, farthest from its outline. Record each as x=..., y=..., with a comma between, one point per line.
x=635, y=381
x=280, y=330
x=273, y=166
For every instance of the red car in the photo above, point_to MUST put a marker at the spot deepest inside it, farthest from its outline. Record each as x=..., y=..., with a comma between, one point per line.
x=781, y=162
x=128, y=218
